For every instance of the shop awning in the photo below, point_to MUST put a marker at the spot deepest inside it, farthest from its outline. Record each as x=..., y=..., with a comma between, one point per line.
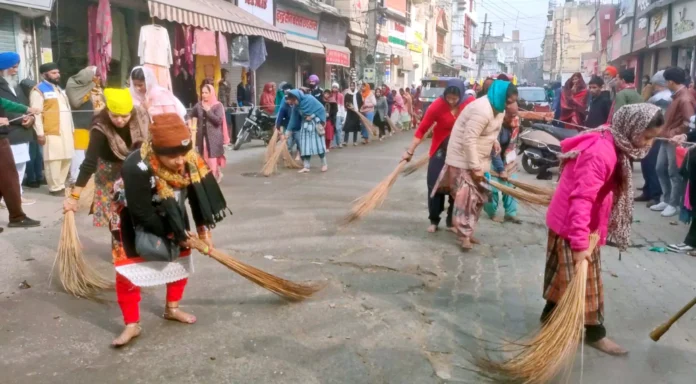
x=396, y=51
x=444, y=63
x=304, y=44
x=216, y=15
x=33, y=8
x=337, y=55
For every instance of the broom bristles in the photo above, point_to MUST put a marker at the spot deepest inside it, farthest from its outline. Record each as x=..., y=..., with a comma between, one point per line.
x=284, y=288
x=413, y=166
x=271, y=147
x=77, y=276
x=529, y=187
x=375, y=198
x=288, y=161
x=271, y=164
x=552, y=349
x=526, y=197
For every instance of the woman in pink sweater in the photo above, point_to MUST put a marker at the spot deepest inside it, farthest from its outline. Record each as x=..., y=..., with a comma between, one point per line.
x=595, y=194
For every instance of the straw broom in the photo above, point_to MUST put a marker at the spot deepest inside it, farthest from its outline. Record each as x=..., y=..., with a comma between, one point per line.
x=416, y=165
x=271, y=147
x=281, y=287
x=523, y=196
x=532, y=188
x=373, y=199
x=77, y=277
x=288, y=161
x=271, y=164
x=552, y=350
x=370, y=127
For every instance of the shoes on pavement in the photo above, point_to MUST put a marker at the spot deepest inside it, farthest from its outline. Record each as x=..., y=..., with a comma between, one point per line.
x=669, y=211
x=680, y=248
x=642, y=199
x=659, y=207
x=59, y=193
x=24, y=223
x=26, y=201
x=43, y=182
x=31, y=184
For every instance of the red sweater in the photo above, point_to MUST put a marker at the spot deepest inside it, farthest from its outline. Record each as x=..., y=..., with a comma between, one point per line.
x=439, y=113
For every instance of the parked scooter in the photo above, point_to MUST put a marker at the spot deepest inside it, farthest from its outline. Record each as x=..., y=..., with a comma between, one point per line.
x=258, y=125
x=540, y=146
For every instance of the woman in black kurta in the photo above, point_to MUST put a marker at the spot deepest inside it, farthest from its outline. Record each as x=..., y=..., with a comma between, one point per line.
x=353, y=102
x=150, y=198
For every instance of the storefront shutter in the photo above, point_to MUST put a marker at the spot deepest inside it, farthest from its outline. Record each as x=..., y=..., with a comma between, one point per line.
x=7, y=33
x=278, y=67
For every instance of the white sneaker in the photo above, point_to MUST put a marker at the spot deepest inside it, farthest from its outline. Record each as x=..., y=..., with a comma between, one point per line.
x=680, y=248
x=669, y=211
x=28, y=201
x=659, y=207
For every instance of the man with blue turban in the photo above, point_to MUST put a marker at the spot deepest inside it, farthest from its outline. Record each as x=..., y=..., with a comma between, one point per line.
x=19, y=131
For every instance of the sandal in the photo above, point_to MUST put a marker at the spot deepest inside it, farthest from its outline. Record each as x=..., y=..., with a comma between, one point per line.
x=174, y=313
x=130, y=332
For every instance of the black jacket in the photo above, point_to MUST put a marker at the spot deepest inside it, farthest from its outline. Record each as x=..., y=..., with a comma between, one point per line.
x=598, y=109
x=16, y=133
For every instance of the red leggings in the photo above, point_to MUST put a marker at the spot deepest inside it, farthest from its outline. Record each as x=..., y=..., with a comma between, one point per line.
x=128, y=296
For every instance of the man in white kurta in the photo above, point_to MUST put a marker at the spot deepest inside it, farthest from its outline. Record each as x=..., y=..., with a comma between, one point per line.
x=54, y=128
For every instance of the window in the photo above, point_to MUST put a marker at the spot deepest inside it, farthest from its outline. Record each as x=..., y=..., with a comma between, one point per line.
x=441, y=43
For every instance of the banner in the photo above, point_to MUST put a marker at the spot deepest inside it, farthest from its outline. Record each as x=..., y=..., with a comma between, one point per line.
x=263, y=9
x=297, y=22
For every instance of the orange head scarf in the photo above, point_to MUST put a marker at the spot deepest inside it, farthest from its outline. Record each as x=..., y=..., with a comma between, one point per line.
x=366, y=92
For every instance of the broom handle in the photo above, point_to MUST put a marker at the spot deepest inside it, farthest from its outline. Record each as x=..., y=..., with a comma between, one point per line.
x=657, y=333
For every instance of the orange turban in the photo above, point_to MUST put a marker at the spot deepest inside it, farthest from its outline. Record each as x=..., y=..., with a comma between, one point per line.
x=612, y=71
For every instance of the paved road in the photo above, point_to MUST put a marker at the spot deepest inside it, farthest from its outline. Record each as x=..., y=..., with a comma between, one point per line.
x=401, y=306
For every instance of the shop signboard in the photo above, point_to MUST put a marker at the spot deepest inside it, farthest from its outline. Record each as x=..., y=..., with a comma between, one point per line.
x=683, y=16
x=640, y=34
x=297, y=22
x=263, y=9
x=398, y=6
x=658, y=28
x=332, y=31
x=414, y=38
x=335, y=57
x=397, y=34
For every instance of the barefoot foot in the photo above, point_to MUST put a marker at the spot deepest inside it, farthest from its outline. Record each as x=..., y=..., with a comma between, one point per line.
x=608, y=346
x=467, y=245
x=303, y=170
x=176, y=314
x=432, y=228
x=130, y=331
x=324, y=168
x=474, y=240
x=497, y=219
x=513, y=219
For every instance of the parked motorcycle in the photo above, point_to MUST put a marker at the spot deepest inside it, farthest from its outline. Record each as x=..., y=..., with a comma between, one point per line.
x=540, y=146
x=258, y=125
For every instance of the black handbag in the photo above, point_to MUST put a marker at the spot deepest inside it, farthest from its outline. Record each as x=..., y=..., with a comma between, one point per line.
x=154, y=248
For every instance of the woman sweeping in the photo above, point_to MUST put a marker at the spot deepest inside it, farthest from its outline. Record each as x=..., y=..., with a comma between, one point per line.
x=469, y=157
x=116, y=131
x=268, y=96
x=501, y=160
x=595, y=194
x=352, y=103
x=443, y=112
x=157, y=180
x=407, y=116
x=331, y=109
x=212, y=134
x=155, y=99
x=574, y=101
x=312, y=132
x=367, y=109
x=399, y=112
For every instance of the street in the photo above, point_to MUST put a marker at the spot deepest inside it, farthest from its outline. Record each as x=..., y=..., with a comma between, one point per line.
x=400, y=305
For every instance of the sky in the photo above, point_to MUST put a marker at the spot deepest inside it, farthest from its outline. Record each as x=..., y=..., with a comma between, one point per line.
x=528, y=16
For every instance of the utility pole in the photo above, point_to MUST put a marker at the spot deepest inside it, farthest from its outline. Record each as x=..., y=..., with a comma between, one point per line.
x=371, y=40
x=560, y=64
x=483, y=45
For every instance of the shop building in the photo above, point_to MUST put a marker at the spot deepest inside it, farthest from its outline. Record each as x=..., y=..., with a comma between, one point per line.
x=439, y=39
x=23, y=30
x=464, y=34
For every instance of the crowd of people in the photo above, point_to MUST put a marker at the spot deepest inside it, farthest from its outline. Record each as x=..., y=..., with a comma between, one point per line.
x=147, y=160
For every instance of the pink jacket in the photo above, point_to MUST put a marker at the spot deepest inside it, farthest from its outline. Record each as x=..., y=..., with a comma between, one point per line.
x=583, y=199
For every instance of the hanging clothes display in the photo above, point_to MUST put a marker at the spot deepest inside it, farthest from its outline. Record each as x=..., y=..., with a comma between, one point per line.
x=207, y=68
x=257, y=52
x=223, y=51
x=99, y=35
x=185, y=88
x=240, y=51
x=119, y=48
x=183, y=49
x=156, y=53
x=205, y=42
